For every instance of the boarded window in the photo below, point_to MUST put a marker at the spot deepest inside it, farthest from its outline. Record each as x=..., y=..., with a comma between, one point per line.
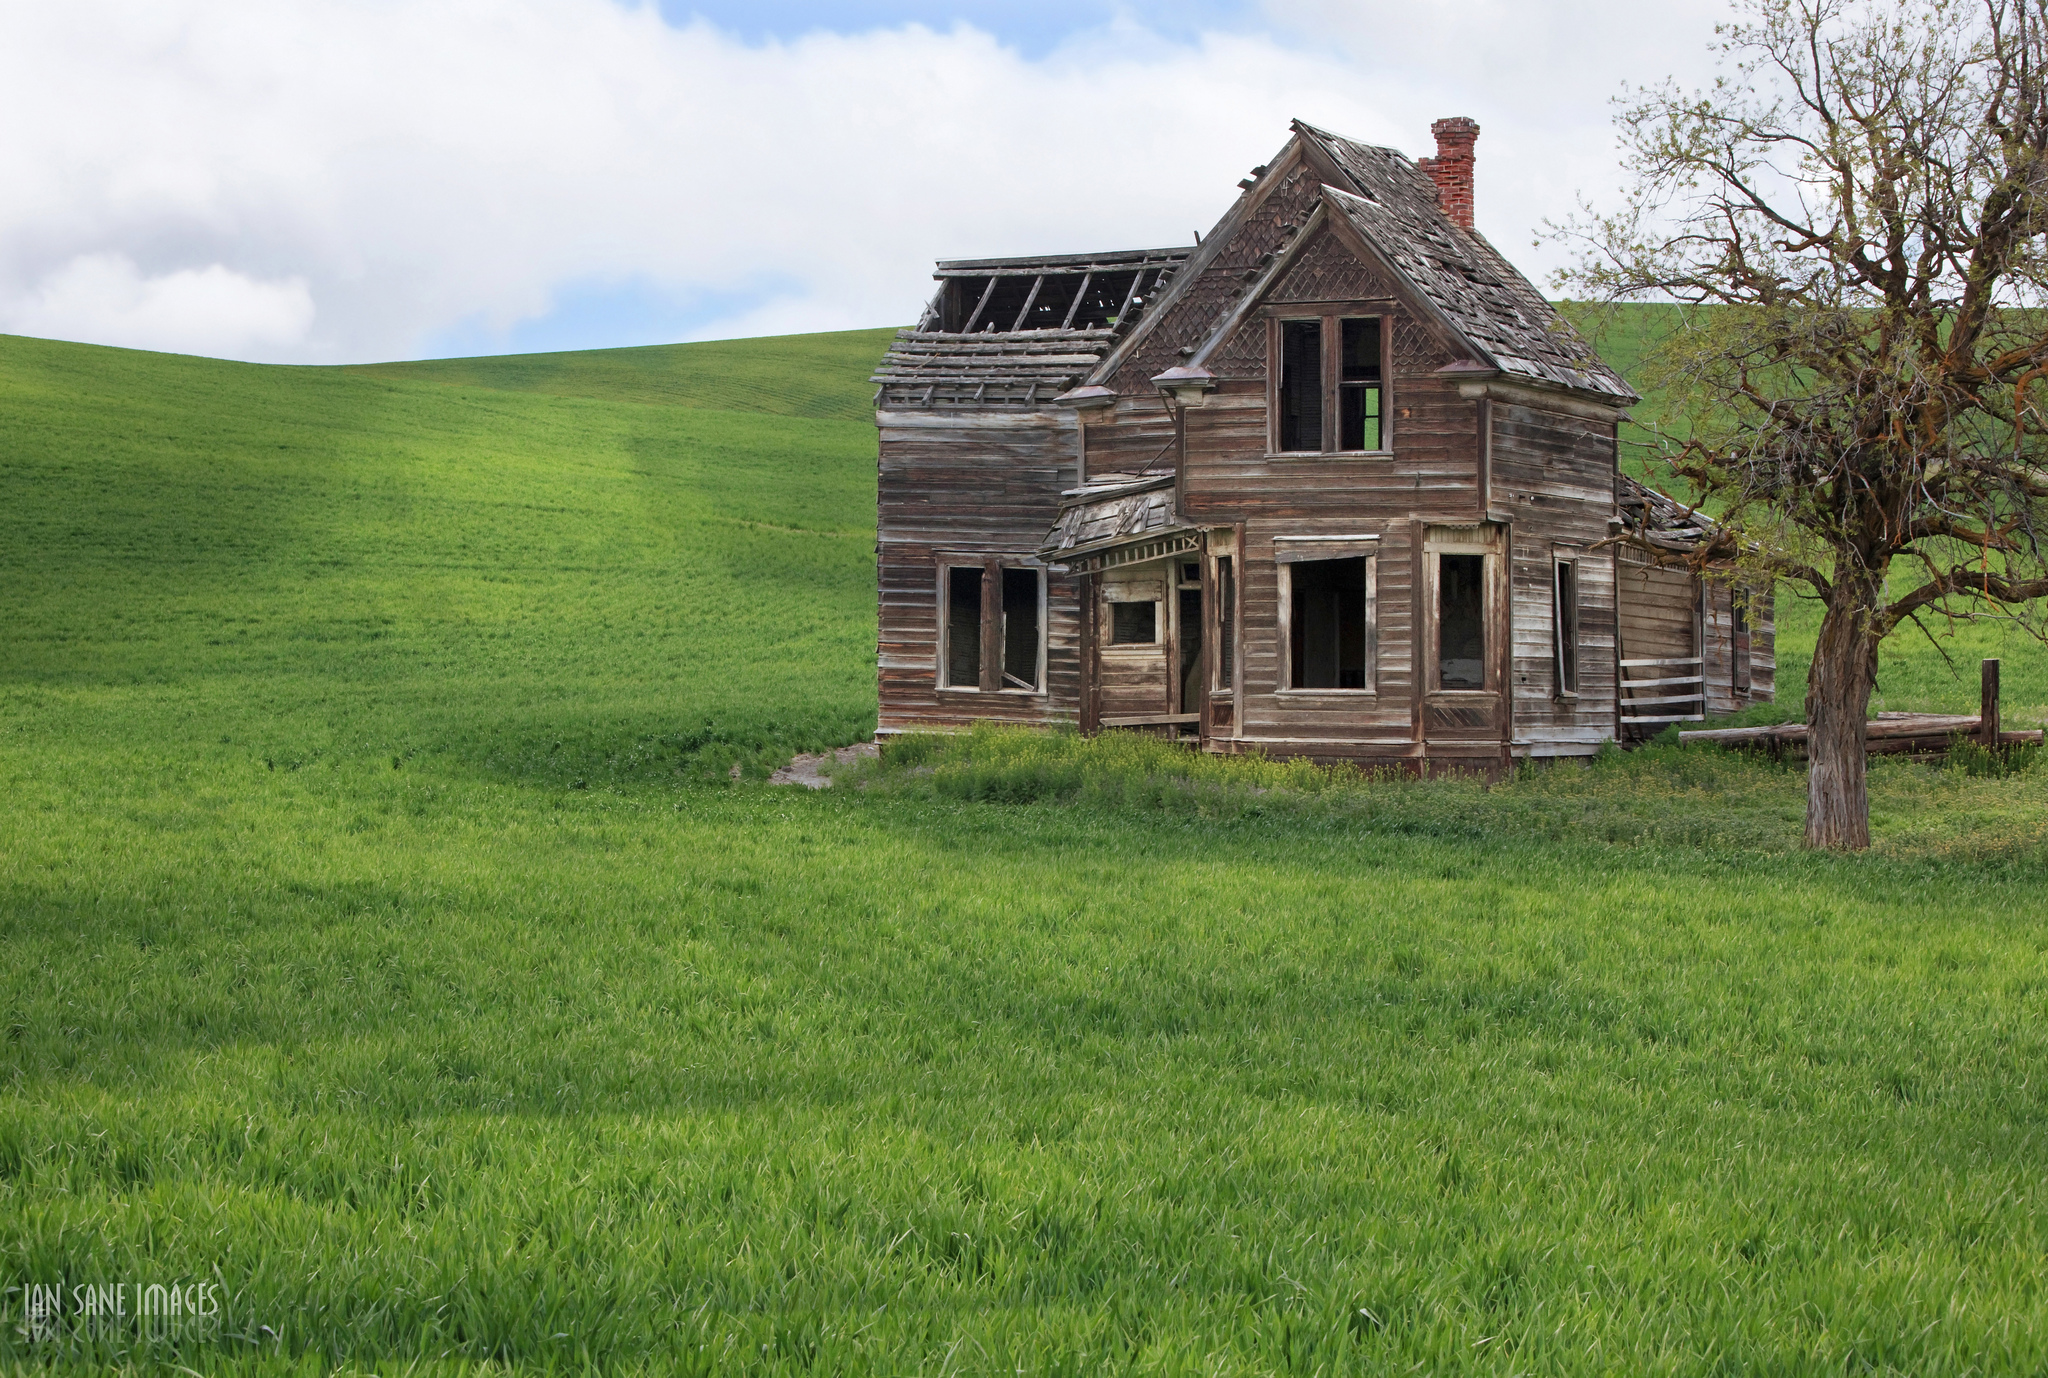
x=1301, y=385
x=1358, y=386
x=1461, y=621
x=1020, y=628
x=1226, y=624
x=963, y=627
x=1329, y=626
x=1567, y=627
x=1133, y=624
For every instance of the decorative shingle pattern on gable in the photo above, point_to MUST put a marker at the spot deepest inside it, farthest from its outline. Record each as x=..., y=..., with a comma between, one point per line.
x=1328, y=271
x=1187, y=317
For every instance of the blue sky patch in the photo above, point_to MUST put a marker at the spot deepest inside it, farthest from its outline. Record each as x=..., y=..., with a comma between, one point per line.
x=605, y=314
x=1034, y=29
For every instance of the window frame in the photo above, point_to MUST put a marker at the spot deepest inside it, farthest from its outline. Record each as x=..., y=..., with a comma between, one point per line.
x=1289, y=551
x=1220, y=612
x=991, y=601
x=1741, y=646
x=1434, y=548
x=1331, y=316
x=1566, y=686
x=1106, y=640
x=1116, y=643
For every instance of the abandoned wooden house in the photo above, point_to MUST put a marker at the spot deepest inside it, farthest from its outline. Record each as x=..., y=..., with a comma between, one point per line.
x=1337, y=481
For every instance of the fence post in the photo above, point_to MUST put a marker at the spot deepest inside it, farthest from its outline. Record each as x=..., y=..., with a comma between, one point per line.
x=1987, y=712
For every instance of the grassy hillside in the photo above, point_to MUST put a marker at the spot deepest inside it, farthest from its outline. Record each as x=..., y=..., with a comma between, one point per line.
x=262, y=563
x=385, y=941
x=820, y=376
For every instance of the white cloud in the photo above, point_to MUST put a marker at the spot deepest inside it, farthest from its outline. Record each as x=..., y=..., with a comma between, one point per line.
x=213, y=310
x=347, y=180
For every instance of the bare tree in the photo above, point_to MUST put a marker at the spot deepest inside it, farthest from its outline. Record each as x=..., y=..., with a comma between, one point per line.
x=1861, y=198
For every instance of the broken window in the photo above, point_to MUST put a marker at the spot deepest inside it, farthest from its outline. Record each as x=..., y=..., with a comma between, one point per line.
x=1329, y=624
x=1020, y=629
x=1358, y=386
x=1133, y=624
x=1301, y=385
x=1566, y=627
x=1226, y=624
x=1189, y=622
x=963, y=627
x=1739, y=642
x=1330, y=368
x=1461, y=621
x=1013, y=600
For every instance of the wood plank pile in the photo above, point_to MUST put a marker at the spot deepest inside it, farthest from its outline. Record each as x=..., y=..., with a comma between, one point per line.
x=1921, y=734
x=1905, y=734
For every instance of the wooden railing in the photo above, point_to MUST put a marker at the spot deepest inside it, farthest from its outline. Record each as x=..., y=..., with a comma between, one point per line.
x=1680, y=697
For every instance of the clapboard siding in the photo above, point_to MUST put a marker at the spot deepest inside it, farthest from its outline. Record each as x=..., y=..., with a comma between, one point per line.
x=1723, y=693
x=1552, y=475
x=1137, y=437
x=969, y=485
x=1659, y=615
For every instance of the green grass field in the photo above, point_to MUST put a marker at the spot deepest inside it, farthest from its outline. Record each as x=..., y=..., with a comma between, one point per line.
x=387, y=943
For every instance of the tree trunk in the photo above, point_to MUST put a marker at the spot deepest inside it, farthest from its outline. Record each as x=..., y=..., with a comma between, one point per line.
x=1838, y=687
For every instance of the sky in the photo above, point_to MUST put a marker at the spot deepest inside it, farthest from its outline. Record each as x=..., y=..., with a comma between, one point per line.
x=355, y=180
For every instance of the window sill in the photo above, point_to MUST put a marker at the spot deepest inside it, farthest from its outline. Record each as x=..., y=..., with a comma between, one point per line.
x=1324, y=693
x=972, y=689
x=1464, y=693
x=1134, y=648
x=1329, y=454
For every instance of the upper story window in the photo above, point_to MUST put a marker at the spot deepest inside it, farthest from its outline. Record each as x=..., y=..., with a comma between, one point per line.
x=1329, y=385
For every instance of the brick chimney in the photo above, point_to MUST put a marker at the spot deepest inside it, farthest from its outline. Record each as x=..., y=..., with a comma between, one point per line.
x=1452, y=167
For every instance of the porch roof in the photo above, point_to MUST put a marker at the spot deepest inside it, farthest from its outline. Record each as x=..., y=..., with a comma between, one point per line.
x=1117, y=519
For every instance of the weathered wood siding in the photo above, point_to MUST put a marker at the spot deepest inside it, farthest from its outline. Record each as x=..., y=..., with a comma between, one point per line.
x=1725, y=691
x=1137, y=437
x=976, y=484
x=1659, y=610
x=1553, y=476
x=1658, y=620
x=1133, y=678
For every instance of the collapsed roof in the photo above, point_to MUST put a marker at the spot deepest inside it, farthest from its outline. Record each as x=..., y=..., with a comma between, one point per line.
x=1658, y=520
x=1017, y=332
